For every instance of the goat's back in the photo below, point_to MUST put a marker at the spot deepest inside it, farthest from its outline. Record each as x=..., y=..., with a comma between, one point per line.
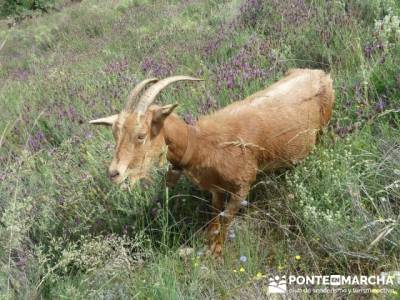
x=297, y=87
x=283, y=119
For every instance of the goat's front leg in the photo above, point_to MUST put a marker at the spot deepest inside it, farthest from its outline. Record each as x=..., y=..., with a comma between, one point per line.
x=225, y=219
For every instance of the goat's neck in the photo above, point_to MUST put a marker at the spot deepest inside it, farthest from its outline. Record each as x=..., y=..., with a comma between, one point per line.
x=176, y=138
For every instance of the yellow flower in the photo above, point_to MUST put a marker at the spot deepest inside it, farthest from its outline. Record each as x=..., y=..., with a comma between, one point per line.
x=375, y=291
x=259, y=275
x=242, y=269
x=280, y=267
x=297, y=257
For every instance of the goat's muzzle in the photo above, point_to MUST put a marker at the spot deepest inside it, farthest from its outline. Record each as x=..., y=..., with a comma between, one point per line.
x=113, y=174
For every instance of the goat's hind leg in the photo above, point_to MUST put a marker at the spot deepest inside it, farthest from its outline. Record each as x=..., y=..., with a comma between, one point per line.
x=225, y=219
x=232, y=208
x=214, y=227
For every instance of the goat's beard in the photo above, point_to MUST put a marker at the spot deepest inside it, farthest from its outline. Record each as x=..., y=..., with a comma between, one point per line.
x=144, y=175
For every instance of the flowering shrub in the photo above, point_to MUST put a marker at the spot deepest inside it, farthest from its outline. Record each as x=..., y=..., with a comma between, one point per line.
x=161, y=68
x=323, y=184
x=246, y=65
x=387, y=30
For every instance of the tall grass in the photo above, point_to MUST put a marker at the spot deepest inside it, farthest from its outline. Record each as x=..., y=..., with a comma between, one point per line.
x=66, y=232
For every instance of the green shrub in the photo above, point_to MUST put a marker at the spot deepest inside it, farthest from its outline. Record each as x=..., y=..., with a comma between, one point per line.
x=19, y=7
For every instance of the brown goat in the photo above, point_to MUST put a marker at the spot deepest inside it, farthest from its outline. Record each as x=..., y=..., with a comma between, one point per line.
x=223, y=152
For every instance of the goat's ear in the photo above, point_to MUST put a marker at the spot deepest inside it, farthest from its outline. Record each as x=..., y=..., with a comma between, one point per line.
x=161, y=113
x=159, y=116
x=108, y=121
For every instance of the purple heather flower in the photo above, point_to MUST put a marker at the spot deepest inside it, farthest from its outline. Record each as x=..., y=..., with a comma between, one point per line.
x=116, y=66
x=20, y=74
x=157, y=68
x=36, y=141
x=61, y=200
x=380, y=106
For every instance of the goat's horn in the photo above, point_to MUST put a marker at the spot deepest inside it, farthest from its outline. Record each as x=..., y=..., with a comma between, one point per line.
x=150, y=94
x=133, y=96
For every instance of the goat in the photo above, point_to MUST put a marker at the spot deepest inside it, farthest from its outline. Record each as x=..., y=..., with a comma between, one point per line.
x=273, y=128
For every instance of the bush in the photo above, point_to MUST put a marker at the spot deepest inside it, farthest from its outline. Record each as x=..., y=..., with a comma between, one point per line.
x=20, y=7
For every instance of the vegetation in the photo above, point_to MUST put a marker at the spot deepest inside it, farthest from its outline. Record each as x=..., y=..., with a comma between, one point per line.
x=67, y=232
x=23, y=7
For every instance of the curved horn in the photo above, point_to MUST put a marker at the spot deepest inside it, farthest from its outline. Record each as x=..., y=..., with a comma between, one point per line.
x=105, y=121
x=133, y=96
x=150, y=94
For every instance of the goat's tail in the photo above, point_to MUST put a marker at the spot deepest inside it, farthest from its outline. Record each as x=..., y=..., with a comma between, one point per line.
x=327, y=98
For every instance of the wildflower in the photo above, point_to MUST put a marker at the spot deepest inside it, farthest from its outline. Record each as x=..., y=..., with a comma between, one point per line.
x=36, y=141
x=280, y=267
x=259, y=276
x=394, y=292
x=375, y=291
x=297, y=257
x=243, y=259
x=185, y=252
x=196, y=264
x=242, y=270
x=234, y=271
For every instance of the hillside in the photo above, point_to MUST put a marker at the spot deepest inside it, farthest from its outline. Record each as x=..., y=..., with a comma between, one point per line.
x=66, y=232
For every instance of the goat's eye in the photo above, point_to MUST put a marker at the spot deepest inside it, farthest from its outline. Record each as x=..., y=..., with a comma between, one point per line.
x=141, y=136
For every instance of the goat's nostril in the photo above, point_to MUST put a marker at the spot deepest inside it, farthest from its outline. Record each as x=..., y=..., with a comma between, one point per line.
x=113, y=174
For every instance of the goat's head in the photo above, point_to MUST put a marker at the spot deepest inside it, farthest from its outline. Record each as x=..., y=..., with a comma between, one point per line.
x=138, y=131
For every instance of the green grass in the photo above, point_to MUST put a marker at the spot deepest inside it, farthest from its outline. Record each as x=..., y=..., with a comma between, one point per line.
x=67, y=232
